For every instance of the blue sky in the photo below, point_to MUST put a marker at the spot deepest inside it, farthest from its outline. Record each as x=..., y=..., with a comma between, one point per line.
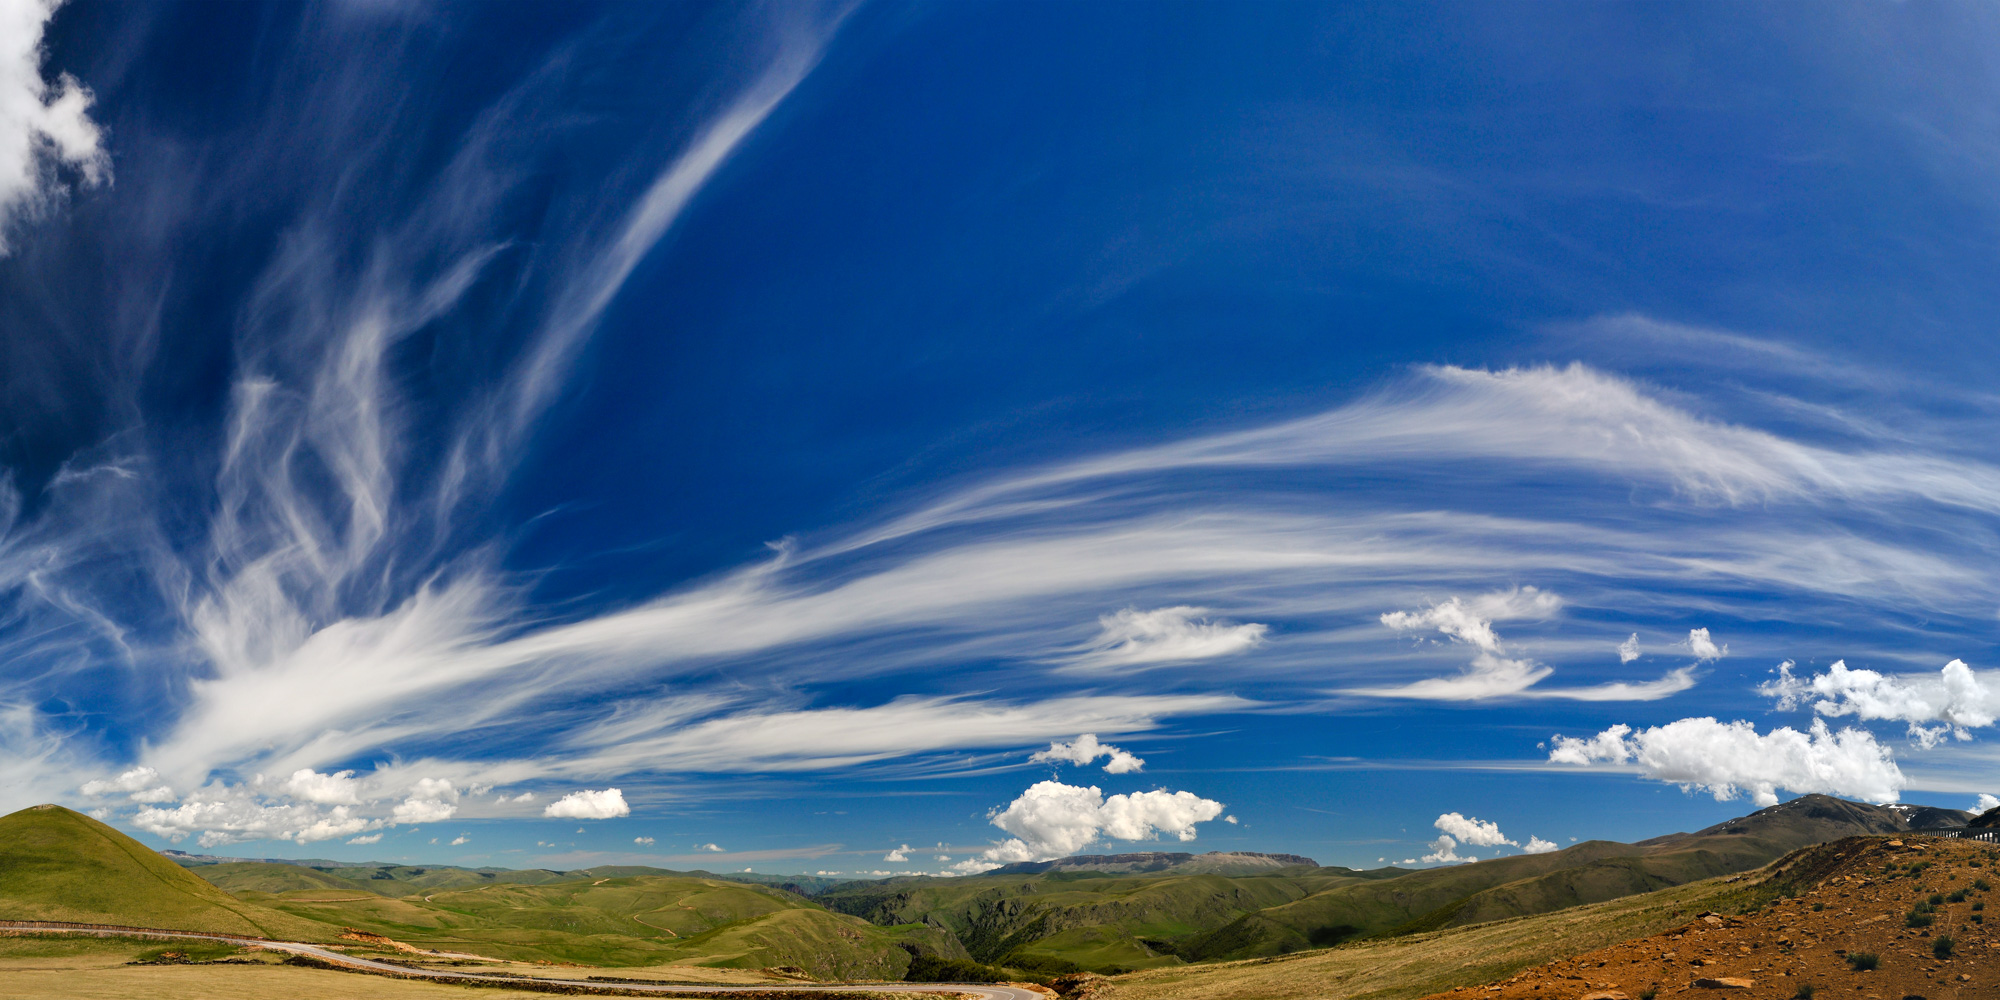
x=903, y=437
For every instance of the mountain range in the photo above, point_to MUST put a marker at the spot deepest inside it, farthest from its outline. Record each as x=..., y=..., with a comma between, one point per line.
x=1100, y=913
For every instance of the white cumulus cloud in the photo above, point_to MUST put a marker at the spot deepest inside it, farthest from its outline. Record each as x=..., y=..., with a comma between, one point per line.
x=1085, y=749
x=339, y=789
x=44, y=127
x=1629, y=649
x=460, y=839
x=141, y=784
x=1986, y=801
x=1053, y=820
x=369, y=839
x=1444, y=850
x=1537, y=845
x=431, y=800
x=1703, y=647
x=1954, y=699
x=1728, y=758
x=1165, y=635
x=643, y=841
x=899, y=854
x=1471, y=830
x=233, y=816
x=587, y=804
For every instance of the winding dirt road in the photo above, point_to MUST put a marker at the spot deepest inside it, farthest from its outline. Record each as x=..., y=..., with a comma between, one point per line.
x=983, y=991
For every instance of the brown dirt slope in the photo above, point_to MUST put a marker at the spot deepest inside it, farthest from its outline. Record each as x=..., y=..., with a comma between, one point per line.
x=1822, y=911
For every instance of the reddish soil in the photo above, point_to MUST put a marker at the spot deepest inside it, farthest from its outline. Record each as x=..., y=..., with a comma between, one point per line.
x=1864, y=888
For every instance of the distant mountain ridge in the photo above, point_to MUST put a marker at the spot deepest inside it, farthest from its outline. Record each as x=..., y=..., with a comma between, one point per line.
x=1211, y=863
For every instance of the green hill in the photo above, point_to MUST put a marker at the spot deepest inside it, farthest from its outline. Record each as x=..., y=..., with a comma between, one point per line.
x=1092, y=919
x=262, y=876
x=1139, y=911
x=628, y=921
x=1520, y=885
x=56, y=864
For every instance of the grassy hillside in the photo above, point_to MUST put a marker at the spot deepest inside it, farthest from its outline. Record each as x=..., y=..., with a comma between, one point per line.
x=258, y=876
x=1527, y=884
x=1094, y=920
x=1416, y=965
x=1141, y=911
x=56, y=864
x=629, y=921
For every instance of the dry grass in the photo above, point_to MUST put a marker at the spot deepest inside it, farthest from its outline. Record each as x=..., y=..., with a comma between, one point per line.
x=1422, y=964
x=75, y=968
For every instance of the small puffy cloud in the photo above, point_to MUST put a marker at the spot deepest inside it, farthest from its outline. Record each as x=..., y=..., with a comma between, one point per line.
x=1537, y=845
x=708, y=847
x=1985, y=802
x=1472, y=830
x=339, y=789
x=643, y=841
x=1231, y=820
x=1954, y=699
x=899, y=854
x=1053, y=820
x=460, y=839
x=1444, y=850
x=1629, y=649
x=587, y=804
x=1703, y=647
x=44, y=127
x=431, y=800
x=1727, y=758
x=1086, y=749
x=1452, y=618
x=369, y=839
x=141, y=784
x=1166, y=635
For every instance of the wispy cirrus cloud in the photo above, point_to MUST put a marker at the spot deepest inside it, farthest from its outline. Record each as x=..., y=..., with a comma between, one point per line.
x=984, y=588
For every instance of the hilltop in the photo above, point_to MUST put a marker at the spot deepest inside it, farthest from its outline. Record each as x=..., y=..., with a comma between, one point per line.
x=56, y=864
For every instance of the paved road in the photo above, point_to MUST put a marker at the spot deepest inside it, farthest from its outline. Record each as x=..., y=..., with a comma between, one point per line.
x=981, y=990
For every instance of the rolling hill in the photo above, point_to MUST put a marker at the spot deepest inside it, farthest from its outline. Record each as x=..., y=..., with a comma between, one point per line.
x=59, y=865
x=1106, y=913
x=1143, y=911
x=56, y=864
x=1516, y=886
x=634, y=920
